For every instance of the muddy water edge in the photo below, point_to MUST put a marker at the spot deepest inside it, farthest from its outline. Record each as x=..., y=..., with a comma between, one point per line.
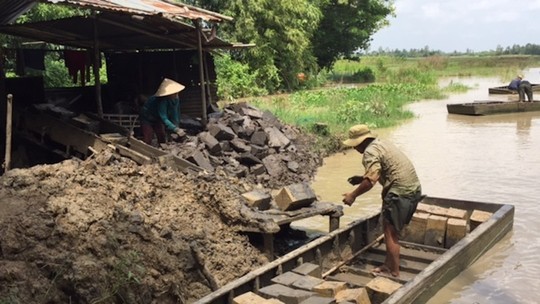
x=490, y=159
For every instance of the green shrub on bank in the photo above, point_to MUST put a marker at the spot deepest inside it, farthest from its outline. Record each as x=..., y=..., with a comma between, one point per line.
x=235, y=80
x=378, y=105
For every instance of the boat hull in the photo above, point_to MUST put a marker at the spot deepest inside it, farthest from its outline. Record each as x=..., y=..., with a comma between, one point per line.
x=355, y=242
x=506, y=90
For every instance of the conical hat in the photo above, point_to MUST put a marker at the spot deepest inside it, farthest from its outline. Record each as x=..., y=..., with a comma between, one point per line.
x=168, y=87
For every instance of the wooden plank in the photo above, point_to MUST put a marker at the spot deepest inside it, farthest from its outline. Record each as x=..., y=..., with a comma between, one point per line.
x=405, y=265
x=412, y=254
x=350, y=278
x=136, y=156
x=62, y=132
x=367, y=269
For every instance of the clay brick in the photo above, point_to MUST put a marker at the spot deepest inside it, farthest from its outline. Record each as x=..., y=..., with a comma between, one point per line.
x=295, y=196
x=258, y=199
x=457, y=213
x=456, y=229
x=248, y=298
x=287, y=278
x=380, y=288
x=329, y=288
x=276, y=139
x=285, y=294
x=221, y=132
x=318, y=300
x=435, y=231
x=357, y=295
x=424, y=208
x=309, y=269
x=432, y=209
x=307, y=283
x=211, y=143
x=478, y=217
x=257, y=169
x=415, y=232
x=259, y=138
x=271, y=301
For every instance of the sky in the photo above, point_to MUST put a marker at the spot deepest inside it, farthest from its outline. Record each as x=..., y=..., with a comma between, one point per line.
x=458, y=25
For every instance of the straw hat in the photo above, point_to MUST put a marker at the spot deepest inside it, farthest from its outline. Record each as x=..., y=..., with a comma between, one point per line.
x=357, y=134
x=520, y=76
x=168, y=87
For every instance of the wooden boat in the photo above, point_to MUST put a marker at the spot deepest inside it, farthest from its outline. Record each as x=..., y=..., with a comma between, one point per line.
x=492, y=107
x=350, y=253
x=506, y=90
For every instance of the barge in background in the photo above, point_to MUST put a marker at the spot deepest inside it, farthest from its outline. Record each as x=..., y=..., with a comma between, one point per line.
x=492, y=107
x=505, y=90
x=350, y=253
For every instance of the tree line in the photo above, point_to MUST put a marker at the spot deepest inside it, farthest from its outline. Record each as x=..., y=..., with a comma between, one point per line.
x=516, y=49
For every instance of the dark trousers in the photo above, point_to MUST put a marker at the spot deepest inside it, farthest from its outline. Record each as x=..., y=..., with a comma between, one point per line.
x=525, y=89
x=148, y=130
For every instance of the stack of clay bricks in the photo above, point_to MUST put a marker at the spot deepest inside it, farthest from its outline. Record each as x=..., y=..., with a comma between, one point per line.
x=442, y=227
x=288, y=198
x=304, y=285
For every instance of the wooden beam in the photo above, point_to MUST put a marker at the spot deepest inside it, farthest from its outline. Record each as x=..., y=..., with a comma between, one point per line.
x=9, y=112
x=201, y=72
x=97, y=63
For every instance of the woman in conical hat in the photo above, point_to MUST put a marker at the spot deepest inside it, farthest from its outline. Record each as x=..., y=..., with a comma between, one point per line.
x=161, y=111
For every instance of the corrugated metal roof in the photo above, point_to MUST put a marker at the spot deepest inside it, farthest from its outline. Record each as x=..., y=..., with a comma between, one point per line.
x=170, y=9
x=121, y=25
x=12, y=9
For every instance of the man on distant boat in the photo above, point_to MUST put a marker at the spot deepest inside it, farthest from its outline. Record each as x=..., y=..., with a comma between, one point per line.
x=525, y=88
x=514, y=84
x=401, y=192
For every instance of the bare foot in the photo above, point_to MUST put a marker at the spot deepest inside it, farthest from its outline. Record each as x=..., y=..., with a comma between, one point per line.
x=383, y=270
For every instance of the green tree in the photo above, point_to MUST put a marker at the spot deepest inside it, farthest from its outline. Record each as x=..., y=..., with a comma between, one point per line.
x=282, y=32
x=347, y=26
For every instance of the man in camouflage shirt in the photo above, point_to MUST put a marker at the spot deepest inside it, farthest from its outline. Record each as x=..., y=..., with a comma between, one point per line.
x=385, y=163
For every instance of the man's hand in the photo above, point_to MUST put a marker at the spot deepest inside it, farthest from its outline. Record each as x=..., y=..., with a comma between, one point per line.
x=355, y=180
x=348, y=198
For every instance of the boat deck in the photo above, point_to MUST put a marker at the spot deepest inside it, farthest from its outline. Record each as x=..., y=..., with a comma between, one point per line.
x=413, y=259
x=348, y=255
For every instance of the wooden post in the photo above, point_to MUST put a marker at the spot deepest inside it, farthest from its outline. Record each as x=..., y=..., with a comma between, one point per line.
x=97, y=63
x=201, y=71
x=208, y=91
x=268, y=240
x=7, y=161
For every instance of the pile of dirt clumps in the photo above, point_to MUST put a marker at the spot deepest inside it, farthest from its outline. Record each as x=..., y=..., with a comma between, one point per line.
x=253, y=145
x=106, y=230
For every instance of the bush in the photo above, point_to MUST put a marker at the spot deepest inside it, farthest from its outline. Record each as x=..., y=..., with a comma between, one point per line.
x=235, y=80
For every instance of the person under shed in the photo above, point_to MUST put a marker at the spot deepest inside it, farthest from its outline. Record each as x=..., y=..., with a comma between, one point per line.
x=162, y=112
x=385, y=163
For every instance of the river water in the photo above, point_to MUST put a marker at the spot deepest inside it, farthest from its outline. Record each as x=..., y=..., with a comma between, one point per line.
x=492, y=158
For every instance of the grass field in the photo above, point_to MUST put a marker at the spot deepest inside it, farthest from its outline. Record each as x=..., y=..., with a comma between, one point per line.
x=397, y=82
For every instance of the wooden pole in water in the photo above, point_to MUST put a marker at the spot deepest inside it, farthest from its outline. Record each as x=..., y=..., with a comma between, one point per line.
x=7, y=161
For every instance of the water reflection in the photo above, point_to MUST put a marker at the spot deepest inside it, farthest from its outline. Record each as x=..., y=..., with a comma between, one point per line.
x=486, y=158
